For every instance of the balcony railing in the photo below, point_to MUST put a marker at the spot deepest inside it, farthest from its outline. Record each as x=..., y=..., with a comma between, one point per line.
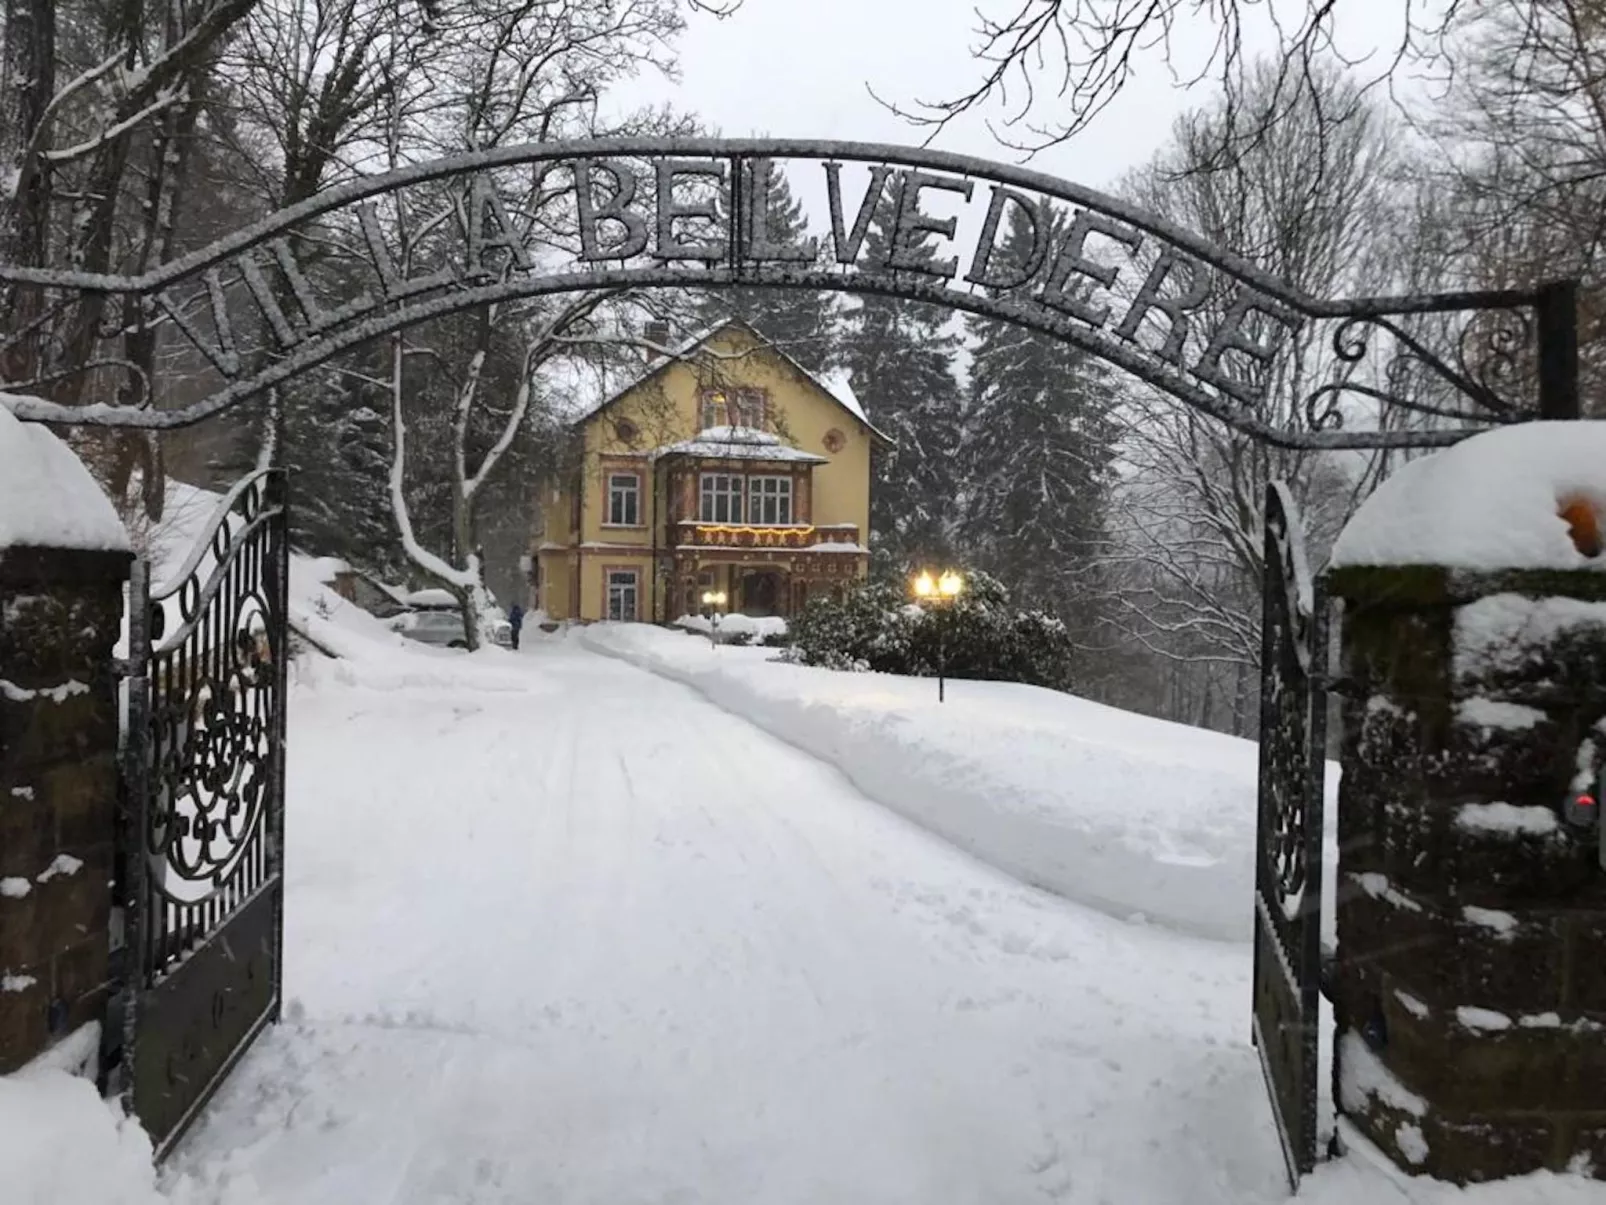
x=691, y=533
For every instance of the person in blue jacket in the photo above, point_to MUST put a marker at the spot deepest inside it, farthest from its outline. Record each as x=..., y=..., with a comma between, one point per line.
x=515, y=619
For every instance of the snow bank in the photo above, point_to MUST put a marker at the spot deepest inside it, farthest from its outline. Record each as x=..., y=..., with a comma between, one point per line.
x=371, y=654
x=759, y=628
x=47, y=496
x=1134, y=816
x=60, y=1144
x=1490, y=502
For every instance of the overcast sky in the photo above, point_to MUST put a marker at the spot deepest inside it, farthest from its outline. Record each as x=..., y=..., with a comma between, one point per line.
x=799, y=68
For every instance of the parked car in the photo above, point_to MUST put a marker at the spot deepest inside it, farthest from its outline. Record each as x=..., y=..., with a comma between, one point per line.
x=444, y=629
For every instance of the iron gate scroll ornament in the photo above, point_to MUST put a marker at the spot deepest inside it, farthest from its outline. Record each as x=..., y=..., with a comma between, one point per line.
x=1190, y=318
x=204, y=890
x=1288, y=857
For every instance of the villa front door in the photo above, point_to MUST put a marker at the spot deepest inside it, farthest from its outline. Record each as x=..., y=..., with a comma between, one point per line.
x=760, y=593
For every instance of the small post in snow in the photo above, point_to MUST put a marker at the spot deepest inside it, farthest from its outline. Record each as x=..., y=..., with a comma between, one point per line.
x=944, y=591
x=713, y=600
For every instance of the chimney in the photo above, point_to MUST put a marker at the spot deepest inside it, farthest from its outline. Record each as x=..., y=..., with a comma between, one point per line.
x=657, y=331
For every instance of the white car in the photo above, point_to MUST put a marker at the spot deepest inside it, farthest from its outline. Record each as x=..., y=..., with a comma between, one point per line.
x=444, y=629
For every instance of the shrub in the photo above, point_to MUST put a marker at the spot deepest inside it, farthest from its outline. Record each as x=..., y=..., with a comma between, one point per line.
x=982, y=635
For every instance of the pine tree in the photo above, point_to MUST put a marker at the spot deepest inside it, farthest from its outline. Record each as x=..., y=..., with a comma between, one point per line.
x=337, y=451
x=1037, y=459
x=900, y=355
x=803, y=323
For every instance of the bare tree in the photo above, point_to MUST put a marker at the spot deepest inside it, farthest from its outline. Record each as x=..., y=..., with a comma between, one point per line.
x=1049, y=67
x=466, y=393
x=1312, y=205
x=96, y=146
x=1521, y=155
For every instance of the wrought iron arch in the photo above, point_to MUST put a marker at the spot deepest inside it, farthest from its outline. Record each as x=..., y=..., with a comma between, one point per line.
x=1123, y=284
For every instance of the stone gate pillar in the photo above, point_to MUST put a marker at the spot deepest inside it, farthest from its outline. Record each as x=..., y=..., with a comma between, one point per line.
x=1470, y=987
x=64, y=559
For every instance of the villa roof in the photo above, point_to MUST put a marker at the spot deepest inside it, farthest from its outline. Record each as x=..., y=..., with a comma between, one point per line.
x=835, y=384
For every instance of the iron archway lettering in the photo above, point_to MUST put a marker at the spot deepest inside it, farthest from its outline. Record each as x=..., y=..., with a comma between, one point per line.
x=1123, y=284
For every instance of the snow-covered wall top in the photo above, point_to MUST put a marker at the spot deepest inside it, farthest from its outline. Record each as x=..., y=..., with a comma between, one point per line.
x=1530, y=496
x=47, y=497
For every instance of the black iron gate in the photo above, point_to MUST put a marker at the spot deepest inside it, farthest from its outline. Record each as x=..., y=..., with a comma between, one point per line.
x=203, y=824
x=1288, y=856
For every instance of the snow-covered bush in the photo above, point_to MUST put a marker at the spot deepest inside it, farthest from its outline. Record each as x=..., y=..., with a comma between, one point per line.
x=982, y=635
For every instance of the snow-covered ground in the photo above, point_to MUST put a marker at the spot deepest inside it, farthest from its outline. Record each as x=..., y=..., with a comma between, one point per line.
x=563, y=930
x=1140, y=818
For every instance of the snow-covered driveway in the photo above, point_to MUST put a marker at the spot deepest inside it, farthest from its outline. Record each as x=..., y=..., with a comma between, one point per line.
x=593, y=940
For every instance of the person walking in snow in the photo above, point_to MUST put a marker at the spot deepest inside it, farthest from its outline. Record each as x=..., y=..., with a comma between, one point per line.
x=515, y=619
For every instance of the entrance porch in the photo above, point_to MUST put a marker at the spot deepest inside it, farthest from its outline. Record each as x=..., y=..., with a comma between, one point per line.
x=758, y=586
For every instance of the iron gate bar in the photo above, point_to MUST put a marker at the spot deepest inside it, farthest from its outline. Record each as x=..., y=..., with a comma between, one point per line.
x=1207, y=384
x=204, y=765
x=1288, y=967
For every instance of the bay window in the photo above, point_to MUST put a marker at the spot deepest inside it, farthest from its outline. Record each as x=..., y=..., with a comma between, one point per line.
x=769, y=500
x=720, y=498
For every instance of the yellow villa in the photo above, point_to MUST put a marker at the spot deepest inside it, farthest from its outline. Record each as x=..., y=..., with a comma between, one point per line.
x=726, y=468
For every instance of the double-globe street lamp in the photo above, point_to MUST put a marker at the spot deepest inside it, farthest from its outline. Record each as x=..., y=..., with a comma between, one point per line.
x=713, y=602
x=942, y=591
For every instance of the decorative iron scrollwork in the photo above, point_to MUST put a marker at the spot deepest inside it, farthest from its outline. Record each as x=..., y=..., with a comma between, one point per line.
x=1473, y=383
x=214, y=707
x=204, y=770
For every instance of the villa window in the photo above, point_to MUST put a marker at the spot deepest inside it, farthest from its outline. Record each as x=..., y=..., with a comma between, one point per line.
x=623, y=588
x=748, y=408
x=713, y=408
x=769, y=500
x=624, y=500
x=743, y=407
x=721, y=498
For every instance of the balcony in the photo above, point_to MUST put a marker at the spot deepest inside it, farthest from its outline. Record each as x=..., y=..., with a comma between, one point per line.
x=689, y=533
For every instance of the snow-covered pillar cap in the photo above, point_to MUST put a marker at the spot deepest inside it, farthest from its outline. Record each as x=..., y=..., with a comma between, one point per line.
x=1525, y=497
x=48, y=499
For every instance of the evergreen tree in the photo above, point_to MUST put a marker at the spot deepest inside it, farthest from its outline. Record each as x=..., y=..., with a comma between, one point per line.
x=803, y=323
x=1037, y=458
x=900, y=355
x=337, y=452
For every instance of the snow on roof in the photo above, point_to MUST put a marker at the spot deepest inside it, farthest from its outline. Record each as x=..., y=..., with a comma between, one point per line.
x=433, y=597
x=738, y=443
x=597, y=391
x=1490, y=502
x=47, y=497
x=835, y=383
x=838, y=383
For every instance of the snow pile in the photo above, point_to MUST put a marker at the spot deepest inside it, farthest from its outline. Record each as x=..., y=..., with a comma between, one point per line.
x=327, y=568
x=1134, y=816
x=61, y=1144
x=760, y=628
x=47, y=497
x=1490, y=502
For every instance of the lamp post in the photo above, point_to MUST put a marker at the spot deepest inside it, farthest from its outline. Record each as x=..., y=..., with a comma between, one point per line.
x=713, y=600
x=942, y=591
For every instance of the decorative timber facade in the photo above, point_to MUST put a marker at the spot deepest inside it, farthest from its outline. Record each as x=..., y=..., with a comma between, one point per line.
x=726, y=467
